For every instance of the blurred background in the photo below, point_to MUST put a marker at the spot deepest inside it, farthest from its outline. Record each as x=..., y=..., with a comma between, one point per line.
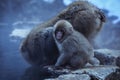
x=18, y=17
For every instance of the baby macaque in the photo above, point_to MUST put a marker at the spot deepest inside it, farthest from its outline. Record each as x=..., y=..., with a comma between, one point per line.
x=74, y=48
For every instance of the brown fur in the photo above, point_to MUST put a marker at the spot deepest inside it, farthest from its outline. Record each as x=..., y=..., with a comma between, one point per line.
x=84, y=16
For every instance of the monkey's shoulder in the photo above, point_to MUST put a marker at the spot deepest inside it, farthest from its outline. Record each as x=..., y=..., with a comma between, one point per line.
x=79, y=36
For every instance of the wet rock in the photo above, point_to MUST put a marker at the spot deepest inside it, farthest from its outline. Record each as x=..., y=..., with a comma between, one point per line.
x=114, y=75
x=99, y=72
x=72, y=77
x=107, y=56
x=118, y=61
x=88, y=73
x=107, y=70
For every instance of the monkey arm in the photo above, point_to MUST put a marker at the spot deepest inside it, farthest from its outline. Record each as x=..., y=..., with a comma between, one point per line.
x=62, y=59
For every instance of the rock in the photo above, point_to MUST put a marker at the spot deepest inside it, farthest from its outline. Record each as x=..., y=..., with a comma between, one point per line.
x=72, y=77
x=107, y=56
x=114, y=75
x=89, y=73
x=108, y=70
x=99, y=72
x=118, y=61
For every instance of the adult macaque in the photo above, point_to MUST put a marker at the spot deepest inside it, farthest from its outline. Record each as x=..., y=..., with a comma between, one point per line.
x=85, y=18
x=37, y=50
x=74, y=48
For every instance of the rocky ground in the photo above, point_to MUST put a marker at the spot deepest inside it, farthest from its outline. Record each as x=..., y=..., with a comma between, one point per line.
x=108, y=69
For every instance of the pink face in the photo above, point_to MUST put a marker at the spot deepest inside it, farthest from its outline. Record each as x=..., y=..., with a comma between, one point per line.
x=59, y=35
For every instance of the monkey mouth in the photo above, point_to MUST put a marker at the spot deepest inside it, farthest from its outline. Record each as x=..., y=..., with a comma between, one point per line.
x=59, y=37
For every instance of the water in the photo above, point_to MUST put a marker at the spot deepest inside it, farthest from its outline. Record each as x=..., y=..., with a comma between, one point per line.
x=12, y=64
x=19, y=14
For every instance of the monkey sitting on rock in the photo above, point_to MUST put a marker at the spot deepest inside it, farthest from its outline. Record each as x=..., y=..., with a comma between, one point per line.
x=74, y=48
x=39, y=48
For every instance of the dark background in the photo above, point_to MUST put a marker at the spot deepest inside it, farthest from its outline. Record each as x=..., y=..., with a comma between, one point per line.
x=18, y=17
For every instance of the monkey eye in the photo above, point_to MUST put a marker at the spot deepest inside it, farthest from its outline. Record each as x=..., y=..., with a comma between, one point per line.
x=63, y=30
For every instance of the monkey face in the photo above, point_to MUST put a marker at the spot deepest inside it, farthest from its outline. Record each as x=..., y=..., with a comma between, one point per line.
x=59, y=34
x=62, y=29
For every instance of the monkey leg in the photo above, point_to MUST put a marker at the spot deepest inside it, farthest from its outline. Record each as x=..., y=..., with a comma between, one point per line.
x=94, y=61
x=62, y=59
x=77, y=62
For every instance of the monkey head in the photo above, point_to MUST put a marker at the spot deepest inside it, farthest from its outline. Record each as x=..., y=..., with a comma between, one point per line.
x=62, y=29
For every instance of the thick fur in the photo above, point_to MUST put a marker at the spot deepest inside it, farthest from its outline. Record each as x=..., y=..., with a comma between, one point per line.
x=74, y=48
x=85, y=18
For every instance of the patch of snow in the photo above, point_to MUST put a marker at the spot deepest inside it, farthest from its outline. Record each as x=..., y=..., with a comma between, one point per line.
x=20, y=33
x=67, y=2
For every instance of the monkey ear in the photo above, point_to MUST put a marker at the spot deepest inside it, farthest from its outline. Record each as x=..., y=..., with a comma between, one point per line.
x=71, y=29
x=101, y=15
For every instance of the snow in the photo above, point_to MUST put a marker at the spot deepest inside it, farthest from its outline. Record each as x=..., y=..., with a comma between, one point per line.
x=21, y=33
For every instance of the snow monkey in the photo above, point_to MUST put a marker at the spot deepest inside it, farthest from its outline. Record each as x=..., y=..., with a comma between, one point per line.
x=74, y=48
x=39, y=46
